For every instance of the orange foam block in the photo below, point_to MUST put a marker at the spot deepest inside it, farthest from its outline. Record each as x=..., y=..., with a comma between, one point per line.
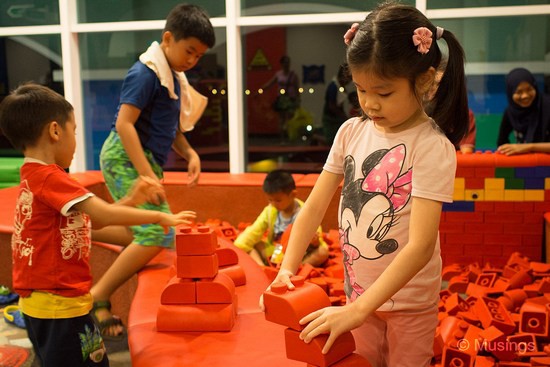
x=288, y=307
x=200, y=266
x=534, y=319
x=197, y=317
x=227, y=256
x=178, y=291
x=221, y=289
x=235, y=272
x=193, y=241
x=353, y=360
x=298, y=350
x=492, y=313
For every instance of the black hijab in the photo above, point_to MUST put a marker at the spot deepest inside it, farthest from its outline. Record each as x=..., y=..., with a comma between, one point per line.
x=531, y=123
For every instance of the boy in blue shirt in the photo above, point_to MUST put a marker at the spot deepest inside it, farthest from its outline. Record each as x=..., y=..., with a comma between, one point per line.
x=156, y=106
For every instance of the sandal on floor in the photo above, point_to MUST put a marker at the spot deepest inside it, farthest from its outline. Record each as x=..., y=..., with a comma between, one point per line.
x=13, y=315
x=104, y=325
x=6, y=296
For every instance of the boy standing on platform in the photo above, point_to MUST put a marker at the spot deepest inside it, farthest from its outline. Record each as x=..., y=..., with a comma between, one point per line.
x=157, y=105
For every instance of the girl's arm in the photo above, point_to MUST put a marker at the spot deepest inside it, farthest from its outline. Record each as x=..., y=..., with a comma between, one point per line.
x=104, y=214
x=127, y=117
x=185, y=150
x=306, y=225
x=423, y=232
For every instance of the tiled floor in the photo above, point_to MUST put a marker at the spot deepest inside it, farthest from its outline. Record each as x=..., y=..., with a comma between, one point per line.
x=14, y=336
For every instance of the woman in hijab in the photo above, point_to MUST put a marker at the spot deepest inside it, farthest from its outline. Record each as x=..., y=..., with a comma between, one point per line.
x=527, y=115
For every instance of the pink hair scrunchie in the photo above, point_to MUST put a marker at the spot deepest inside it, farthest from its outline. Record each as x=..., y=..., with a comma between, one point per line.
x=422, y=37
x=348, y=37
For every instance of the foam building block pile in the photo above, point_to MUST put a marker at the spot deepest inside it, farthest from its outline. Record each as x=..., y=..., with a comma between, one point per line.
x=287, y=307
x=200, y=296
x=491, y=316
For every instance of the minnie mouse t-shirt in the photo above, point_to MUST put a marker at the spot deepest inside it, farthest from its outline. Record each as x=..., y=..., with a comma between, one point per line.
x=382, y=171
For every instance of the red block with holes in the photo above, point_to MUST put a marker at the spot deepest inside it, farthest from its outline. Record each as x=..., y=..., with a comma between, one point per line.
x=298, y=350
x=456, y=358
x=193, y=241
x=486, y=279
x=492, y=313
x=455, y=303
x=494, y=341
x=534, y=319
x=288, y=307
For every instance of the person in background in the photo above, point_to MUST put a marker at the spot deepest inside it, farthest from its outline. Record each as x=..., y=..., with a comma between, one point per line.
x=398, y=167
x=527, y=115
x=335, y=98
x=288, y=96
x=157, y=105
x=262, y=239
x=54, y=215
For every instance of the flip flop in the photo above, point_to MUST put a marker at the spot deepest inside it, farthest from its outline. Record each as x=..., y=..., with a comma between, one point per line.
x=104, y=325
x=6, y=296
x=13, y=315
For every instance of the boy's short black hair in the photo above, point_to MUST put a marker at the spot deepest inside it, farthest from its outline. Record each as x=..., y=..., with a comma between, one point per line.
x=278, y=181
x=186, y=20
x=27, y=110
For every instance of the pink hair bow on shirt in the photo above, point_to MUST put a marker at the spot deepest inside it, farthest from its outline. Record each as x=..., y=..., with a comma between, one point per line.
x=422, y=37
x=348, y=37
x=384, y=178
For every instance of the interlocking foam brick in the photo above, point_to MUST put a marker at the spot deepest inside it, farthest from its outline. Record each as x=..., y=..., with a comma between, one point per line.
x=524, y=344
x=454, y=304
x=179, y=291
x=201, y=240
x=540, y=361
x=459, y=284
x=198, y=317
x=494, y=341
x=221, y=289
x=484, y=361
x=298, y=350
x=520, y=278
x=353, y=360
x=534, y=319
x=227, y=256
x=235, y=272
x=321, y=282
x=288, y=307
x=472, y=195
x=486, y=279
x=456, y=358
x=449, y=331
x=492, y=313
x=513, y=364
x=200, y=266
x=451, y=270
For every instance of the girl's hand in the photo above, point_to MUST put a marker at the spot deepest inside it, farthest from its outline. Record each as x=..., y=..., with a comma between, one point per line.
x=331, y=320
x=282, y=277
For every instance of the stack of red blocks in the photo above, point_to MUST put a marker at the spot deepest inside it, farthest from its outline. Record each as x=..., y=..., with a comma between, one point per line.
x=201, y=295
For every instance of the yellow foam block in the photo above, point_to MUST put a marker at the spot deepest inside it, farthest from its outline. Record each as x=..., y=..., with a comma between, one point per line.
x=494, y=195
x=494, y=184
x=474, y=195
x=514, y=195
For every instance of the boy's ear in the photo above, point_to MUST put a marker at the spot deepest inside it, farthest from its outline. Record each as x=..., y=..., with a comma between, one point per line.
x=54, y=130
x=166, y=37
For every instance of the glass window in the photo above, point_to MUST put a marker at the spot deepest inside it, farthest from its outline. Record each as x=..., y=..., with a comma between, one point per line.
x=294, y=138
x=93, y=11
x=42, y=55
x=276, y=7
x=25, y=13
x=448, y=4
x=102, y=76
x=493, y=47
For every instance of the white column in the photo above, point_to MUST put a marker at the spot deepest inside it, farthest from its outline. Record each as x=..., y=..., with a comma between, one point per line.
x=72, y=81
x=235, y=100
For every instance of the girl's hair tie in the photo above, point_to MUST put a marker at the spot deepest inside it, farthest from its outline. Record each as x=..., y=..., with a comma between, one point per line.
x=422, y=37
x=348, y=37
x=438, y=32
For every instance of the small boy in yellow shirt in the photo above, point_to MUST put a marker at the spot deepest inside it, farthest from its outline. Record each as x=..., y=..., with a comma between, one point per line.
x=262, y=239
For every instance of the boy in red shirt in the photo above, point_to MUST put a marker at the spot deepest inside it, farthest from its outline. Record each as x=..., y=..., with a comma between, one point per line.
x=52, y=232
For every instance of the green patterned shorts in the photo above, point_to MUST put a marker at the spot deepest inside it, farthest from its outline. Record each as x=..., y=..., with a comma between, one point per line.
x=120, y=175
